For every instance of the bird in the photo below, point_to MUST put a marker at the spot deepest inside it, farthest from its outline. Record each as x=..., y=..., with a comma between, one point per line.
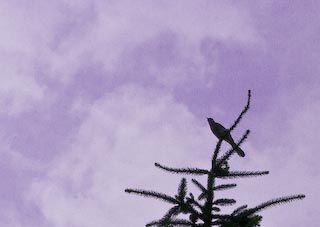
x=222, y=133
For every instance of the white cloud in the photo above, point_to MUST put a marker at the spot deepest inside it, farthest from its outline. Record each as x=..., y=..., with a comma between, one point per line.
x=14, y=159
x=27, y=33
x=124, y=134
x=129, y=129
x=19, y=90
x=292, y=162
x=119, y=26
x=55, y=39
x=9, y=217
x=22, y=40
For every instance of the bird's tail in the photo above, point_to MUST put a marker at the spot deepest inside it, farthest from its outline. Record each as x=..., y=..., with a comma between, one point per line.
x=240, y=152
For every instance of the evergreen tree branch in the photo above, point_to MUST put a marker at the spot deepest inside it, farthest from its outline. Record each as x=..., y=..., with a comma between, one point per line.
x=182, y=190
x=194, y=171
x=216, y=222
x=219, y=187
x=224, y=186
x=202, y=196
x=216, y=209
x=273, y=202
x=221, y=216
x=234, y=174
x=239, y=209
x=241, y=221
x=187, y=206
x=153, y=194
x=215, y=153
x=246, y=108
x=199, y=185
x=172, y=212
x=192, y=210
x=191, y=200
x=233, y=150
x=224, y=202
x=174, y=222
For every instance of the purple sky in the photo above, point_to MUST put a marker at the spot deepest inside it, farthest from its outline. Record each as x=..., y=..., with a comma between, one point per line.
x=92, y=93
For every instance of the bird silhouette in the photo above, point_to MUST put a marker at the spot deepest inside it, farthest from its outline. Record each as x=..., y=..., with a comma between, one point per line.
x=222, y=133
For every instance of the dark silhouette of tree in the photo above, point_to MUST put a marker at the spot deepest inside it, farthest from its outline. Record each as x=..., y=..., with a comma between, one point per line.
x=204, y=210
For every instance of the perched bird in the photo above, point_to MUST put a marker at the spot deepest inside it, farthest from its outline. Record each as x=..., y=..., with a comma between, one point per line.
x=222, y=133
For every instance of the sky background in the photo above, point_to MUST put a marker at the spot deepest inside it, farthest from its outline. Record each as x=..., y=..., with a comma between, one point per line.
x=92, y=93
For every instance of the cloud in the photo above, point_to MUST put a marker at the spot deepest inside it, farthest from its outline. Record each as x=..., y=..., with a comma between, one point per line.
x=23, y=37
x=46, y=47
x=47, y=41
x=19, y=90
x=9, y=218
x=66, y=69
x=117, y=28
x=124, y=134
x=27, y=31
x=291, y=156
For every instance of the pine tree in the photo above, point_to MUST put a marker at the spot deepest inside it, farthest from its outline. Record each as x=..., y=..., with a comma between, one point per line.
x=205, y=210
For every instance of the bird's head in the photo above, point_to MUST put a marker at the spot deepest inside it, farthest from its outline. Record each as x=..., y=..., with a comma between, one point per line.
x=210, y=120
